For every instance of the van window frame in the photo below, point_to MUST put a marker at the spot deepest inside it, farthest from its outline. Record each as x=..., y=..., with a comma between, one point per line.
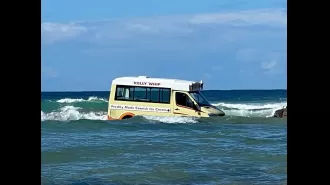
x=187, y=96
x=148, y=91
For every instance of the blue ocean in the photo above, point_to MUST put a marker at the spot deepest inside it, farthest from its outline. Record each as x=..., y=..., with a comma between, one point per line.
x=79, y=146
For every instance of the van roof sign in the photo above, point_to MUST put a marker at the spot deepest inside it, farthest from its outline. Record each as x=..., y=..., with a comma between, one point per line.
x=175, y=84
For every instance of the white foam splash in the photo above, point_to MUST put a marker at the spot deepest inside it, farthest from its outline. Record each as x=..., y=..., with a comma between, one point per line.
x=172, y=119
x=250, y=110
x=90, y=99
x=72, y=113
x=230, y=109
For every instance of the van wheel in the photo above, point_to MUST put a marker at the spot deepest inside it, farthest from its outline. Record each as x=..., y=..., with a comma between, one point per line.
x=127, y=117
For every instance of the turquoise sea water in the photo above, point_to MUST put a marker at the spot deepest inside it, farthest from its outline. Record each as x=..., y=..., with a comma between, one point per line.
x=247, y=146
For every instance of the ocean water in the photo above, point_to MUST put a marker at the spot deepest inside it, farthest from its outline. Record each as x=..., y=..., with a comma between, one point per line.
x=247, y=146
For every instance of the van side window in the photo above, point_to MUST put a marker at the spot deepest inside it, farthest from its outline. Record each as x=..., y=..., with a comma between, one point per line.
x=154, y=94
x=165, y=95
x=143, y=94
x=183, y=100
x=124, y=93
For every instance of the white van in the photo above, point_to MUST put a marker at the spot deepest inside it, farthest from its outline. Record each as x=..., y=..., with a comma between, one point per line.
x=132, y=96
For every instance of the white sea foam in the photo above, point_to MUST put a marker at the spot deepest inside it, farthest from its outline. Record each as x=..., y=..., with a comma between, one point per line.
x=249, y=109
x=72, y=113
x=231, y=109
x=172, y=119
x=90, y=99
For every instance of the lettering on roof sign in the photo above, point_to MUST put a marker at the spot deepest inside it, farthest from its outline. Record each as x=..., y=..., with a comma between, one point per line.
x=140, y=108
x=147, y=83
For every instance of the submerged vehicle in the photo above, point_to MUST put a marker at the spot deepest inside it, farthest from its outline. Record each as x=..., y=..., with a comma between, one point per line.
x=142, y=95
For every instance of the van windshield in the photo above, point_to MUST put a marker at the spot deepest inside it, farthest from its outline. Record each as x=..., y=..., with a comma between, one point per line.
x=199, y=98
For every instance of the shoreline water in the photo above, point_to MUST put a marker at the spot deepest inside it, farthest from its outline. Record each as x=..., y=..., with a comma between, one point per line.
x=78, y=144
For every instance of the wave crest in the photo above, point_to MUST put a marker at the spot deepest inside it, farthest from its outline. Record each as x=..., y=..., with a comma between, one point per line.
x=90, y=99
x=68, y=113
x=250, y=109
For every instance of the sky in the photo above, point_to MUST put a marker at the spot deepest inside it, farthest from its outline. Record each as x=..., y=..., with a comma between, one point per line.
x=229, y=44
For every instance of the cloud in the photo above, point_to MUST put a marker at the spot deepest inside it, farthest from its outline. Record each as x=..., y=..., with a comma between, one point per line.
x=268, y=65
x=271, y=68
x=248, y=54
x=161, y=26
x=52, y=32
x=263, y=16
x=241, y=46
x=140, y=27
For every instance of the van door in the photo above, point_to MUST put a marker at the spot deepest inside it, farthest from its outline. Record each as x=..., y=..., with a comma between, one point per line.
x=184, y=105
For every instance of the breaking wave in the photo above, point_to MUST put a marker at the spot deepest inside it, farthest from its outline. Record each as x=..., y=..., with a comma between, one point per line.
x=250, y=109
x=90, y=99
x=70, y=112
